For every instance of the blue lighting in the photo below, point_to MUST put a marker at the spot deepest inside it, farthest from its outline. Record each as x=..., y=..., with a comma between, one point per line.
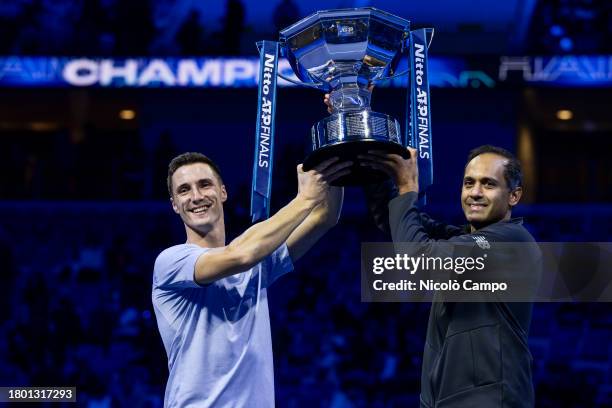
x=566, y=44
x=556, y=30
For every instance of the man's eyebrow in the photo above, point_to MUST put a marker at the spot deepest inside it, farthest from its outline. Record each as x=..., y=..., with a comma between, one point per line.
x=204, y=179
x=182, y=185
x=482, y=179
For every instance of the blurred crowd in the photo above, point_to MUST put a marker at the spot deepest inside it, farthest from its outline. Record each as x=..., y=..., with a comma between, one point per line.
x=571, y=26
x=77, y=312
x=136, y=27
x=148, y=27
x=96, y=165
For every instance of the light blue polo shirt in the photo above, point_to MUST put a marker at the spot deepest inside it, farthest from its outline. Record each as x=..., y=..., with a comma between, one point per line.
x=217, y=337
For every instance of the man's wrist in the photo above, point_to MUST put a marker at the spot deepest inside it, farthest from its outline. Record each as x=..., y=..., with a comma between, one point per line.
x=309, y=202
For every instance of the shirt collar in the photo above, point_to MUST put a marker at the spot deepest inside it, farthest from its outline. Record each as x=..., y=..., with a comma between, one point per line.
x=515, y=220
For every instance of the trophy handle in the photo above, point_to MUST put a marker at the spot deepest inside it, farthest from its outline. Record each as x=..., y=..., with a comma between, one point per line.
x=317, y=85
x=391, y=77
x=430, y=35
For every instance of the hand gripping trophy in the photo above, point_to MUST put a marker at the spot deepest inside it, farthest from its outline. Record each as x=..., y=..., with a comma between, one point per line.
x=342, y=52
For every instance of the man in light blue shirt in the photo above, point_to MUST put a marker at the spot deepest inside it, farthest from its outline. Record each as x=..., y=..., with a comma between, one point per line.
x=210, y=297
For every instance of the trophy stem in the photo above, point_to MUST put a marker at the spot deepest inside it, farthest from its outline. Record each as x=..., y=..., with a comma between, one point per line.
x=350, y=97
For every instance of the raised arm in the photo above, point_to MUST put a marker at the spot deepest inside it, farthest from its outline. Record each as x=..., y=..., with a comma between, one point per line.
x=403, y=182
x=263, y=238
x=316, y=224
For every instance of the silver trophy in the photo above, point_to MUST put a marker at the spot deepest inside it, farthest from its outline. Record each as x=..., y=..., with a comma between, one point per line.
x=342, y=52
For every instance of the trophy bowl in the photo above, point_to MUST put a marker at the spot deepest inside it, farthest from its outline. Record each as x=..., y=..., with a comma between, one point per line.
x=343, y=52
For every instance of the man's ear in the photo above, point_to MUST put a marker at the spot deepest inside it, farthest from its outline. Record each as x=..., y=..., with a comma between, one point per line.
x=174, y=206
x=223, y=193
x=515, y=196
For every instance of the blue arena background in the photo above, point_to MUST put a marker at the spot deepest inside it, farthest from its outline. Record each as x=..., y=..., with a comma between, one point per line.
x=84, y=208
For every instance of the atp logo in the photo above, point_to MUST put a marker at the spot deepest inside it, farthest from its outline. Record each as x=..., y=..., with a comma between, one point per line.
x=481, y=241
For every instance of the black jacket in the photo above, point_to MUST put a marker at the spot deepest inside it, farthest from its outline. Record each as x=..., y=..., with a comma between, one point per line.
x=476, y=354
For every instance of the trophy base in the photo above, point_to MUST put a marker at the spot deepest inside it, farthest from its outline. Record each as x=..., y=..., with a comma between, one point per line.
x=348, y=150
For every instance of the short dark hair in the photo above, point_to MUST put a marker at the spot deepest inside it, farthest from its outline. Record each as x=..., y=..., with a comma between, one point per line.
x=190, y=158
x=512, y=170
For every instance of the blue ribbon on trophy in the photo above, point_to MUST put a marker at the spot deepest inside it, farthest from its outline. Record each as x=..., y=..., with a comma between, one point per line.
x=419, y=118
x=342, y=52
x=261, y=188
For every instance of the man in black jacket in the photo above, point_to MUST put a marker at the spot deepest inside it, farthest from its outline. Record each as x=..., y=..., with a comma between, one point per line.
x=476, y=353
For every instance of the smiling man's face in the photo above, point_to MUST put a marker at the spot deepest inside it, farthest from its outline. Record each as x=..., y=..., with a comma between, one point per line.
x=485, y=196
x=198, y=197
